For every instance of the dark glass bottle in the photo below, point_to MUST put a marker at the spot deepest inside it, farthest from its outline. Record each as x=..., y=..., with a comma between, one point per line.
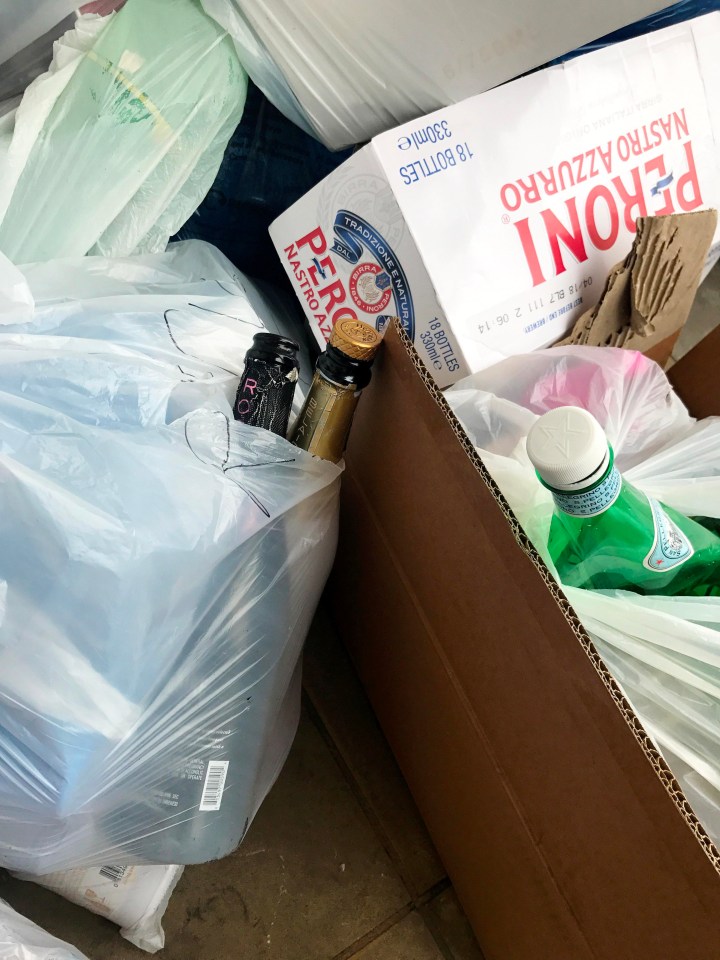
x=341, y=373
x=267, y=386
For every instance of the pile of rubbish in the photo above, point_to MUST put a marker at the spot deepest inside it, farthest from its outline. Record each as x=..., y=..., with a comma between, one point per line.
x=198, y=197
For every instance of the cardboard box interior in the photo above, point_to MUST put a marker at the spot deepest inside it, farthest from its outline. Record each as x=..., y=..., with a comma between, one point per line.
x=564, y=832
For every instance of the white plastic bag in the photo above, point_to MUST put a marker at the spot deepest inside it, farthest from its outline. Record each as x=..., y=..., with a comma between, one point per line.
x=115, y=146
x=134, y=898
x=663, y=651
x=353, y=70
x=165, y=305
x=21, y=939
x=159, y=569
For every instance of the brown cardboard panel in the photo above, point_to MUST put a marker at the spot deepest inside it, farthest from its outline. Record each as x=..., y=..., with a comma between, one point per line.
x=662, y=351
x=696, y=377
x=470, y=812
x=648, y=297
x=555, y=828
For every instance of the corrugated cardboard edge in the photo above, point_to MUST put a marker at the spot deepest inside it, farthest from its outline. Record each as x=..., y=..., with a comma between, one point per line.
x=647, y=298
x=659, y=765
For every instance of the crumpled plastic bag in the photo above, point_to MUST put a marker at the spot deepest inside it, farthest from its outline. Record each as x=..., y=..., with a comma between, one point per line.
x=349, y=71
x=159, y=569
x=21, y=939
x=167, y=305
x=112, y=149
x=663, y=651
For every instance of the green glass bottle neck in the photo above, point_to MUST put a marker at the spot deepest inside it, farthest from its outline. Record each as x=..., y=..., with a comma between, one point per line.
x=591, y=500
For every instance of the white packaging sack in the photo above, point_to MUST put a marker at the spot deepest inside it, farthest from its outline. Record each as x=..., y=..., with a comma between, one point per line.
x=664, y=652
x=133, y=897
x=21, y=939
x=358, y=69
x=489, y=236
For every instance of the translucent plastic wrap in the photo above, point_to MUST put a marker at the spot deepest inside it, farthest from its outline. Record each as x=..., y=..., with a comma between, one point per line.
x=663, y=651
x=160, y=567
x=114, y=147
x=21, y=939
x=47, y=21
x=166, y=305
x=348, y=71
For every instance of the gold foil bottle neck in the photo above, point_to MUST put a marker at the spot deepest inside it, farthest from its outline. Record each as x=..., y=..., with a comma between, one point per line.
x=355, y=339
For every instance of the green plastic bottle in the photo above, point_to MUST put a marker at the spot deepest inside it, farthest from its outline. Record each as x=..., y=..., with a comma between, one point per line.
x=605, y=534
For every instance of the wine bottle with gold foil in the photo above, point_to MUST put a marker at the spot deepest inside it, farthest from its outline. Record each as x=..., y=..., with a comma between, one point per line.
x=341, y=374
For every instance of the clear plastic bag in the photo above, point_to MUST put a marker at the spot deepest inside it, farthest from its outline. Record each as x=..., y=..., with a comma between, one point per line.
x=21, y=939
x=115, y=146
x=160, y=567
x=663, y=651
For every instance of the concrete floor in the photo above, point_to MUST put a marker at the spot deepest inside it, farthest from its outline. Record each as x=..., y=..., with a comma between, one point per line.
x=338, y=863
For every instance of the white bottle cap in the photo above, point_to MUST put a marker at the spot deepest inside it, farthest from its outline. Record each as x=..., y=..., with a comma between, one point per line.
x=568, y=448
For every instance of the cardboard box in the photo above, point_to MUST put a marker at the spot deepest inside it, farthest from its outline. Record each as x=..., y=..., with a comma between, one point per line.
x=489, y=226
x=561, y=827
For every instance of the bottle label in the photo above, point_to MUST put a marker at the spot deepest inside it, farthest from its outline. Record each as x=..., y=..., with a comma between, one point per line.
x=324, y=422
x=214, y=785
x=589, y=503
x=670, y=547
x=265, y=395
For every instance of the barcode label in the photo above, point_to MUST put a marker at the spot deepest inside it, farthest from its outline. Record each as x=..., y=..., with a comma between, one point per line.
x=214, y=785
x=113, y=873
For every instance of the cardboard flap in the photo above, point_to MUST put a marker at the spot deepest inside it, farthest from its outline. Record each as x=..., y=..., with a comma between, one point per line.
x=648, y=297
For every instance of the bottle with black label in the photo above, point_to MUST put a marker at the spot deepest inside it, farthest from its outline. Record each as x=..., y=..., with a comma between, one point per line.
x=341, y=374
x=267, y=386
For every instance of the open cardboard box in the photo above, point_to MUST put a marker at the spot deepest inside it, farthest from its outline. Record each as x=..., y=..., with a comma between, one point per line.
x=563, y=830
